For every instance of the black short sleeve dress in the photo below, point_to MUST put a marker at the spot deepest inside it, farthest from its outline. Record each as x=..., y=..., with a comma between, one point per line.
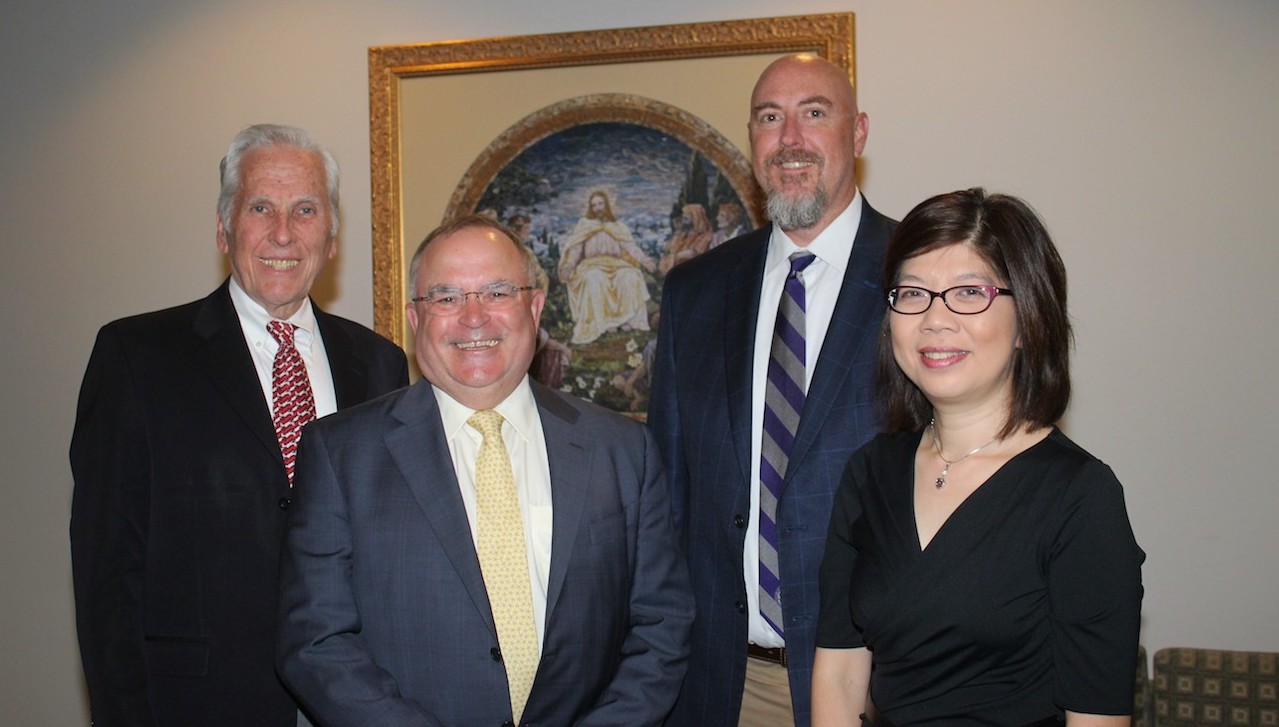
x=1026, y=603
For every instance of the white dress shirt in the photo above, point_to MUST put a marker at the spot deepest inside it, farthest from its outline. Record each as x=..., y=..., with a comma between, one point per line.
x=307, y=339
x=822, y=281
x=526, y=445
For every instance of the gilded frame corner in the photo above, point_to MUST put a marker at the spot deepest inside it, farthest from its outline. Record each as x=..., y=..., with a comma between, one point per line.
x=392, y=67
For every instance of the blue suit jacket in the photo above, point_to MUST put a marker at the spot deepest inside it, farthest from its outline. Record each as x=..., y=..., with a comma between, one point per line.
x=384, y=615
x=700, y=412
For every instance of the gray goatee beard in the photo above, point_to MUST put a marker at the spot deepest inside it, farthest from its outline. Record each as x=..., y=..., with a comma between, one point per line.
x=797, y=213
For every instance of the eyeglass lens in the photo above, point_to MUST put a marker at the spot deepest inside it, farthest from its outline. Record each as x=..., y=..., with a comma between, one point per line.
x=962, y=299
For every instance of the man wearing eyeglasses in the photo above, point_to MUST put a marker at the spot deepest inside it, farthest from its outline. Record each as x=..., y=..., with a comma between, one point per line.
x=763, y=389
x=478, y=549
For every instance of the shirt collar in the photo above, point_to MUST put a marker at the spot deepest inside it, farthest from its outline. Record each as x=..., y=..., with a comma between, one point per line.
x=832, y=245
x=254, y=317
x=519, y=409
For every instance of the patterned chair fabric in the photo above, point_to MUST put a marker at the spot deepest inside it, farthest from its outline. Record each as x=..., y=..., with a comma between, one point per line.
x=1213, y=687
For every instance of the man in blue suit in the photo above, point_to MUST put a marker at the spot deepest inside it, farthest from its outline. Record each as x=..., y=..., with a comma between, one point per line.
x=751, y=662
x=392, y=611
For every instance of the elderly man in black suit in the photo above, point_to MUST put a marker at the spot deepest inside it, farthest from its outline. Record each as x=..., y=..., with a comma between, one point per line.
x=183, y=450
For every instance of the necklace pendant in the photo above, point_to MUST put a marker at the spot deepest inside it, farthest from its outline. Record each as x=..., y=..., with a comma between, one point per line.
x=941, y=478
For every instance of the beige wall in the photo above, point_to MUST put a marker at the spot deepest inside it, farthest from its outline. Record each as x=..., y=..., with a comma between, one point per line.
x=1145, y=132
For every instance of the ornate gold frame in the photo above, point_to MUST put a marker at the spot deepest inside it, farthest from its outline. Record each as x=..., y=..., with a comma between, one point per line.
x=653, y=54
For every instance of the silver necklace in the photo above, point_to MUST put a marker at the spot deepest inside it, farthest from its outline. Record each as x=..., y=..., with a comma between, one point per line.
x=941, y=478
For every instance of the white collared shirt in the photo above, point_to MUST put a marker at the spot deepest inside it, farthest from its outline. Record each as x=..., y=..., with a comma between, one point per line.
x=263, y=346
x=822, y=282
x=526, y=445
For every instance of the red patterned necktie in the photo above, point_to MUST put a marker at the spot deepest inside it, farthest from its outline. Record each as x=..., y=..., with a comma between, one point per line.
x=292, y=403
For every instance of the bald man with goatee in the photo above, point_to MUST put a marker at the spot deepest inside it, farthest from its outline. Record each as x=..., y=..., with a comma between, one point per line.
x=753, y=475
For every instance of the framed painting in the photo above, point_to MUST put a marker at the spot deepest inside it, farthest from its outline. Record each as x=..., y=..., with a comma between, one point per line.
x=614, y=154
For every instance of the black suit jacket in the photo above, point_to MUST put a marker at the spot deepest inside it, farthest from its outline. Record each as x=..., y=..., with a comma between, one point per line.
x=700, y=411
x=179, y=511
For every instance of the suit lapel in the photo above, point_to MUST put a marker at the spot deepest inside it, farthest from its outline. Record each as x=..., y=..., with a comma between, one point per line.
x=223, y=355
x=850, y=328
x=569, y=454
x=422, y=455
x=741, y=310
x=348, y=367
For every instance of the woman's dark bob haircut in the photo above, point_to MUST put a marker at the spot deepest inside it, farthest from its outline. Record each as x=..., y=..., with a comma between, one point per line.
x=1010, y=237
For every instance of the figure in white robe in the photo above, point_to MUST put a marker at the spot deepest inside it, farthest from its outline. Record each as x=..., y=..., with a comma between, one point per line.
x=603, y=269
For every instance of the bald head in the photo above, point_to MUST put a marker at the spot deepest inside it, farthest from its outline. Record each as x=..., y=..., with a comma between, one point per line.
x=816, y=71
x=806, y=134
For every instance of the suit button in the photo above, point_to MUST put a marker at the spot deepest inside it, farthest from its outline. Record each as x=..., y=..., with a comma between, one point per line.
x=508, y=723
x=284, y=503
x=496, y=653
x=739, y=521
x=741, y=607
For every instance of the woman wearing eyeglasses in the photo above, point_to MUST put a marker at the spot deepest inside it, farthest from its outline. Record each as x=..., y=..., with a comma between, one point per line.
x=980, y=567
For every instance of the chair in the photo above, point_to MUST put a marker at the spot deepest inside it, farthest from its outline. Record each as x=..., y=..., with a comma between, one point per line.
x=1141, y=712
x=1214, y=687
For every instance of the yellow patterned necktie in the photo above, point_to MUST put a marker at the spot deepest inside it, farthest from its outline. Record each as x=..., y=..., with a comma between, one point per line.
x=504, y=558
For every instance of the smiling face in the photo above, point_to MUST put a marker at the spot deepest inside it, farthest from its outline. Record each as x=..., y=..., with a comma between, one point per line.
x=476, y=355
x=281, y=227
x=806, y=135
x=957, y=361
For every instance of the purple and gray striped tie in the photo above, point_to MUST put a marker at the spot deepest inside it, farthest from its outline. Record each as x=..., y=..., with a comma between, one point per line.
x=783, y=404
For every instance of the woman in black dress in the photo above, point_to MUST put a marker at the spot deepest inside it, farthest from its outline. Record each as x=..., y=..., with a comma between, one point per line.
x=980, y=567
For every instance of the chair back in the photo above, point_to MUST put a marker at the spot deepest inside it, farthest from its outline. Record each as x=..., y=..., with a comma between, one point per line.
x=1215, y=687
